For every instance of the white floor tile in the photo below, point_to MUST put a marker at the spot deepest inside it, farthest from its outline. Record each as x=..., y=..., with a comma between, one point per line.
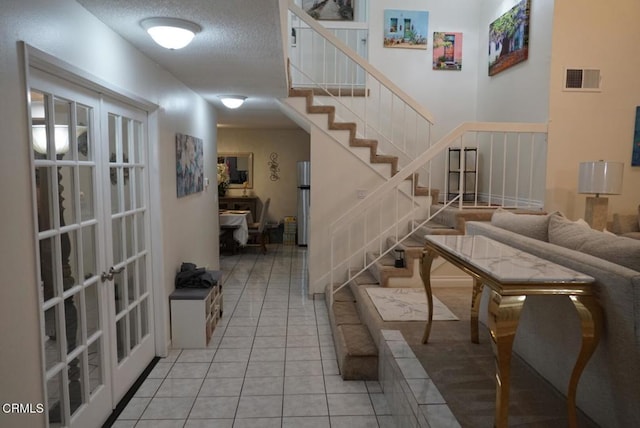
x=263, y=385
x=214, y=408
x=257, y=423
x=349, y=404
x=306, y=422
x=354, y=422
x=265, y=368
x=305, y=405
x=209, y=423
x=221, y=387
x=168, y=408
x=188, y=370
x=179, y=387
x=256, y=406
x=227, y=370
x=304, y=385
x=303, y=368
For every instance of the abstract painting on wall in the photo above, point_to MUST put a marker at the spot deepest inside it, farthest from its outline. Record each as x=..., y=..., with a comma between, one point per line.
x=189, y=165
x=447, y=51
x=509, y=38
x=329, y=10
x=405, y=29
x=635, y=157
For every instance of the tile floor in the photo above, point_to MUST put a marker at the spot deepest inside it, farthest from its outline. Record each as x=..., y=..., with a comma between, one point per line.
x=271, y=361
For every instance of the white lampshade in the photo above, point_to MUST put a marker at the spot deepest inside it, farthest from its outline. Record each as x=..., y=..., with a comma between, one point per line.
x=40, y=139
x=39, y=133
x=600, y=177
x=232, y=101
x=171, y=33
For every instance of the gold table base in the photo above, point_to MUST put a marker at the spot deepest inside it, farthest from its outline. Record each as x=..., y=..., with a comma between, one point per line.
x=505, y=306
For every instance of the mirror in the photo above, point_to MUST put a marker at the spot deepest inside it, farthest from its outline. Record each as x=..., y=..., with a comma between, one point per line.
x=240, y=169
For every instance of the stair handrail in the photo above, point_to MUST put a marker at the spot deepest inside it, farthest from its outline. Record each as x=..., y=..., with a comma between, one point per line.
x=339, y=44
x=427, y=155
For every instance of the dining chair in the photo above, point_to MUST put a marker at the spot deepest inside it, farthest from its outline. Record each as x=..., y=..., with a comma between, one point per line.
x=257, y=231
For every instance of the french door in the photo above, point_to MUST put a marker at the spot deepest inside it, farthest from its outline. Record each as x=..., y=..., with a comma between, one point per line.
x=90, y=194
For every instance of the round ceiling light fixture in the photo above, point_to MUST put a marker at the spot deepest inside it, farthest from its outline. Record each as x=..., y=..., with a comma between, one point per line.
x=232, y=101
x=171, y=33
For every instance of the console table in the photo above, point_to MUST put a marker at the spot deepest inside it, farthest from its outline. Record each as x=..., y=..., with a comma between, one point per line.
x=512, y=275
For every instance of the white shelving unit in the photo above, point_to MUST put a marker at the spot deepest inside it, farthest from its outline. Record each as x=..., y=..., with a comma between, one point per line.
x=195, y=313
x=456, y=174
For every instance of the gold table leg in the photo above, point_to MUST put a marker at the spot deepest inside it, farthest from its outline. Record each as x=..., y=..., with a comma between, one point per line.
x=504, y=314
x=590, y=314
x=425, y=274
x=475, y=309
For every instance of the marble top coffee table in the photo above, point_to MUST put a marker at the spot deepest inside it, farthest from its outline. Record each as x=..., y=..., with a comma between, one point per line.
x=511, y=276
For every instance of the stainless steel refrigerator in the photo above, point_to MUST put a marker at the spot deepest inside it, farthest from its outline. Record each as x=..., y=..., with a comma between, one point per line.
x=304, y=202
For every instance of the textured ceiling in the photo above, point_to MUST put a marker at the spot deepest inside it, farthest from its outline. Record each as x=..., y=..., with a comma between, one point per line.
x=238, y=51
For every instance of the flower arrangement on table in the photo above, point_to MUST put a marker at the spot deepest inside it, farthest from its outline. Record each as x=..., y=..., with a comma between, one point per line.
x=223, y=179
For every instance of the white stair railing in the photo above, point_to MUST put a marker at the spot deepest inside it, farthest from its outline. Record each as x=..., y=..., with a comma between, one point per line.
x=390, y=211
x=331, y=64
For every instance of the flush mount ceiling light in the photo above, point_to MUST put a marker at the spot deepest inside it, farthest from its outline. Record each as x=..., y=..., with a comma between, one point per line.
x=170, y=33
x=232, y=101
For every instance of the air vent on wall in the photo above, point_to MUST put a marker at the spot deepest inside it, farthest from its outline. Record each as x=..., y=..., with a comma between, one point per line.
x=582, y=79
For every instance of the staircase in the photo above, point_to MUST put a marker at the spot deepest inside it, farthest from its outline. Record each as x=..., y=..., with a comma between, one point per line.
x=342, y=95
x=354, y=141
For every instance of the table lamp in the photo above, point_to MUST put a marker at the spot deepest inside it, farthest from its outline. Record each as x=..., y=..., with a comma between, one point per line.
x=600, y=178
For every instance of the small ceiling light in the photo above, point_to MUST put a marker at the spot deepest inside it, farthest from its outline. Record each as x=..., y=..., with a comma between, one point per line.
x=232, y=101
x=170, y=33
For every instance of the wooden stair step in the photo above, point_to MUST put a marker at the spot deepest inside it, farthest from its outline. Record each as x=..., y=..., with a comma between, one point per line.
x=356, y=351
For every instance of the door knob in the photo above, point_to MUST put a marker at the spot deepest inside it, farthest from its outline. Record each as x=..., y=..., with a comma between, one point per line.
x=109, y=275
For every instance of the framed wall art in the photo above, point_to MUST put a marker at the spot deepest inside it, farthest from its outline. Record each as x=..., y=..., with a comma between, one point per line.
x=447, y=51
x=329, y=10
x=509, y=38
x=406, y=29
x=189, y=165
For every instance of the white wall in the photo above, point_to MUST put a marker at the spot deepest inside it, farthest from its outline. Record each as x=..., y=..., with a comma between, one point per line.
x=592, y=126
x=449, y=95
x=520, y=93
x=67, y=31
x=335, y=176
x=291, y=146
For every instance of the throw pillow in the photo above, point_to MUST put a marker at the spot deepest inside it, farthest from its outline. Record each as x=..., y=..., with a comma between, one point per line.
x=532, y=225
x=582, y=223
x=616, y=249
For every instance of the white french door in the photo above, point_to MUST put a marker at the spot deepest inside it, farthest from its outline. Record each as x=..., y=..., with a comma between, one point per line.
x=90, y=194
x=127, y=233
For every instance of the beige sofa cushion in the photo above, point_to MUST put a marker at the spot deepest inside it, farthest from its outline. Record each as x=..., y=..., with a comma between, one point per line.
x=532, y=225
x=616, y=249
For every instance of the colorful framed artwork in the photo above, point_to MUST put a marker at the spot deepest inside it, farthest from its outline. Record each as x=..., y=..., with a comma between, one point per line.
x=405, y=29
x=509, y=38
x=329, y=10
x=635, y=156
x=189, y=165
x=447, y=51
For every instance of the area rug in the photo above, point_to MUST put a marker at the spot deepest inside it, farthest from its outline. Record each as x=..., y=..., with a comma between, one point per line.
x=407, y=304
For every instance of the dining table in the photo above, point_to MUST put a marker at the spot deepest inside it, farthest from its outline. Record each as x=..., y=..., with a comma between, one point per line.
x=238, y=221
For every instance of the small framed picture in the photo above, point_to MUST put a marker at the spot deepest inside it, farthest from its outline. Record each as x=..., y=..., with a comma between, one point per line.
x=329, y=10
x=447, y=51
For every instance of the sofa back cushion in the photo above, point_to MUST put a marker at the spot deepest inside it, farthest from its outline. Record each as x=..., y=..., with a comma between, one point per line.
x=534, y=226
x=616, y=249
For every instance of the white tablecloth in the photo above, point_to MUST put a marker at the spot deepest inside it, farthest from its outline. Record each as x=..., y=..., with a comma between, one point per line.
x=240, y=220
